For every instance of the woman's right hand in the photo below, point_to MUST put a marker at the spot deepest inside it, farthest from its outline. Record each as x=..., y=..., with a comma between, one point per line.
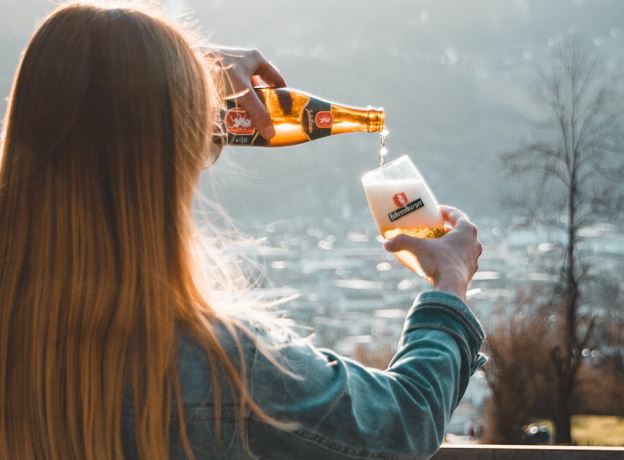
x=449, y=262
x=243, y=69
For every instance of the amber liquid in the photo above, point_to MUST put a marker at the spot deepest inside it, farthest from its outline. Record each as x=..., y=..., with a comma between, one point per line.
x=299, y=117
x=405, y=257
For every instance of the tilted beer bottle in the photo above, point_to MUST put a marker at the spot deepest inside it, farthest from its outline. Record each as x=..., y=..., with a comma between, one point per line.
x=297, y=117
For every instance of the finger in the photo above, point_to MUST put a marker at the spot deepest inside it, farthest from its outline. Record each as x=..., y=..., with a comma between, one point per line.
x=256, y=81
x=451, y=214
x=235, y=85
x=258, y=113
x=269, y=73
x=402, y=243
x=465, y=230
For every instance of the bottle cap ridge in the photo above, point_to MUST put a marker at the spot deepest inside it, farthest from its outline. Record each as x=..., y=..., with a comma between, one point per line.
x=376, y=119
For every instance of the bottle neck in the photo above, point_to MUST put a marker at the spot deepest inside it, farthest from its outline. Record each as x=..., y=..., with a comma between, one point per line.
x=353, y=119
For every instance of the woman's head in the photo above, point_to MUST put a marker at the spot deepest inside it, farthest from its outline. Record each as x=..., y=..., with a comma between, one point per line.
x=115, y=100
x=107, y=129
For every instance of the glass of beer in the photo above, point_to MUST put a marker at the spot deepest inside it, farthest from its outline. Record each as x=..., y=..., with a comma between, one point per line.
x=401, y=202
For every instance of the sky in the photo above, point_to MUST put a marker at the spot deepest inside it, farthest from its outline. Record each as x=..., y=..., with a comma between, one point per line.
x=455, y=77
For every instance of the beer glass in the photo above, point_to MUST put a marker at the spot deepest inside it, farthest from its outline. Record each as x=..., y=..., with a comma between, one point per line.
x=401, y=202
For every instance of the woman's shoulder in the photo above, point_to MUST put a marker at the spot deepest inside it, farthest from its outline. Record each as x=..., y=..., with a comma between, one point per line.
x=239, y=338
x=248, y=342
x=232, y=333
x=193, y=347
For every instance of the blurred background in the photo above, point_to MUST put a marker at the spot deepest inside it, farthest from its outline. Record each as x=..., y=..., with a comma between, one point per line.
x=468, y=90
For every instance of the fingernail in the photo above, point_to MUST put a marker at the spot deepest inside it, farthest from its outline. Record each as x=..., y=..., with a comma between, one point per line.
x=268, y=132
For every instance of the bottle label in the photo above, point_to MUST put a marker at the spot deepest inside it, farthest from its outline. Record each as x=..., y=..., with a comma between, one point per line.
x=317, y=118
x=238, y=121
x=239, y=127
x=323, y=119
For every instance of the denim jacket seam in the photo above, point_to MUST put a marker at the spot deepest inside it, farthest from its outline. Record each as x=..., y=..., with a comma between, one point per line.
x=456, y=306
x=467, y=322
x=462, y=341
x=321, y=441
x=456, y=312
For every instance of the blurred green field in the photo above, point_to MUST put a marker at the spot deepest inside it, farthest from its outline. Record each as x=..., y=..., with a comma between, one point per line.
x=595, y=430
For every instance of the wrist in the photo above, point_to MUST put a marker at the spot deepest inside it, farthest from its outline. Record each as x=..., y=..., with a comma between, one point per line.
x=452, y=286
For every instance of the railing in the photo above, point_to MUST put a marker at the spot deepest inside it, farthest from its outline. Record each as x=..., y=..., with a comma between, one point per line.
x=506, y=452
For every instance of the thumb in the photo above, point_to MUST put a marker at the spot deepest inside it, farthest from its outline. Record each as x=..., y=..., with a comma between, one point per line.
x=402, y=243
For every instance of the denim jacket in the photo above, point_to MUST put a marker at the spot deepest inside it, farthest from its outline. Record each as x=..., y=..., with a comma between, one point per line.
x=342, y=409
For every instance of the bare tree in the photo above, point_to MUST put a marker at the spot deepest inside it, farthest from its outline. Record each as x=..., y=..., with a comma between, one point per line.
x=575, y=158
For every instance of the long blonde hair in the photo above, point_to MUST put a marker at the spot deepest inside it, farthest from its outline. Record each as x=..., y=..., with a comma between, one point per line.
x=107, y=129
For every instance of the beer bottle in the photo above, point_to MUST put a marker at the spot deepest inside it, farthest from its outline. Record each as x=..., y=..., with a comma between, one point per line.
x=297, y=117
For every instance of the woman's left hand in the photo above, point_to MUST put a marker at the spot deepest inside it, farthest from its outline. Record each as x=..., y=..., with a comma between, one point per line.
x=244, y=69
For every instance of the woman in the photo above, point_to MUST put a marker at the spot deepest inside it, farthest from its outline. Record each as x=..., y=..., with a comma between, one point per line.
x=112, y=344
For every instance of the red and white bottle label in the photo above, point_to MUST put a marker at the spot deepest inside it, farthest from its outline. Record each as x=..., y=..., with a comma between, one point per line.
x=323, y=119
x=238, y=121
